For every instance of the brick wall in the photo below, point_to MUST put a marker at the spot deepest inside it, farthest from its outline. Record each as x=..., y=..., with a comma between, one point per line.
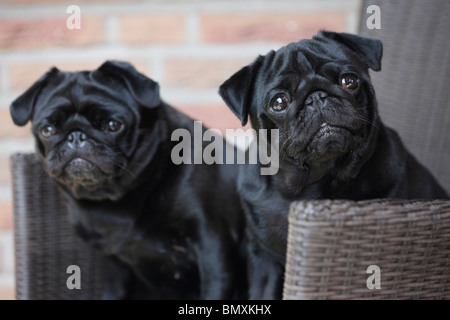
x=189, y=46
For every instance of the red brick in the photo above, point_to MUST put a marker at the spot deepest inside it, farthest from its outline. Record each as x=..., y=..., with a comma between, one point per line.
x=148, y=29
x=23, y=75
x=4, y=171
x=49, y=32
x=9, y=130
x=213, y=116
x=284, y=27
x=7, y=293
x=201, y=73
x=6, y=215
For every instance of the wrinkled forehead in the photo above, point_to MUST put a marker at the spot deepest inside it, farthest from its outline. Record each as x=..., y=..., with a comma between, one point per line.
x=308, y=56
x=78, y=90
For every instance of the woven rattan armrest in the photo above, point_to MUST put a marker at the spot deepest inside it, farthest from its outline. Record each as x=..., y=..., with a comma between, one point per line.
x=44, y=239
x=331, y=245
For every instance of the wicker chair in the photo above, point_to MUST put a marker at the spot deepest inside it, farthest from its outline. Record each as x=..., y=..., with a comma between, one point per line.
x=45, y=242
x=331, y=243
x=413, y=85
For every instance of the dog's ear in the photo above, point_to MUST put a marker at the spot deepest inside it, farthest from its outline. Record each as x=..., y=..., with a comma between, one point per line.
x=22, y=108
x=368, y=50
x=143, y=89
x=237, y=91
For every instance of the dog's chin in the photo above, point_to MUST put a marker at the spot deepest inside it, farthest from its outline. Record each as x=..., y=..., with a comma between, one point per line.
x=84, y=179
x=323, y=155
x=84, y=173
x=327, y=146
x=330, y=143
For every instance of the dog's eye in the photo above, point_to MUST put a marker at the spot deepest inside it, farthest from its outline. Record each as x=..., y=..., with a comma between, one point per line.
x=280, y=102
x=113, y=126
x=48, y=131
x=349, y=81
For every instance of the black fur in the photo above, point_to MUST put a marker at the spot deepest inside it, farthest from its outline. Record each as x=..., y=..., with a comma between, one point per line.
x=333, y=144
x=167, y=231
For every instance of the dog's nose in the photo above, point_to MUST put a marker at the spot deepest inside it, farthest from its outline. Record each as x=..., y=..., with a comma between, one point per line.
x=318, y=97
x=76, y=139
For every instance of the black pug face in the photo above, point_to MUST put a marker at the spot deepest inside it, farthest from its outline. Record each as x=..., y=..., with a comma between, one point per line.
x=87, y=126
x=318, y=94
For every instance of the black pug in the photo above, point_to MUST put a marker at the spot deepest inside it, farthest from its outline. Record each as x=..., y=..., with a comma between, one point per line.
x=167, y=231
x=332, y=144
